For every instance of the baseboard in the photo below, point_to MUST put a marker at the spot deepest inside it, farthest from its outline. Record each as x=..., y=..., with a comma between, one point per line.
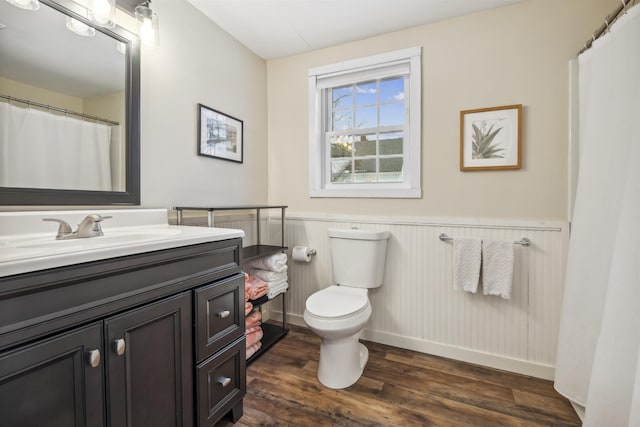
x=423, y=346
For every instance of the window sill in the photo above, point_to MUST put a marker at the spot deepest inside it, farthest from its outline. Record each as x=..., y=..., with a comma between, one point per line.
x=405, y=193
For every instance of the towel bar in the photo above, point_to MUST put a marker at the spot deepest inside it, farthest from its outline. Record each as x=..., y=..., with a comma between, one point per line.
x=524, y=241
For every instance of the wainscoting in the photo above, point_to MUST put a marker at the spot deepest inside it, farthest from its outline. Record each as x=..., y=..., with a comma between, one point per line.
x=417, y=308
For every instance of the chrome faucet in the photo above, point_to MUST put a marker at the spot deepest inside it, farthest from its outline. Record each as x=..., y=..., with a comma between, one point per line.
x=89, y=227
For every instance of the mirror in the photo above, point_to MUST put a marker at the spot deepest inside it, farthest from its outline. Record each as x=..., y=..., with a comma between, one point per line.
x=69, y=109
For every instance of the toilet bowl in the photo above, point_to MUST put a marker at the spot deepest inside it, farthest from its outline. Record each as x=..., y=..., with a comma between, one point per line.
x=338, y=313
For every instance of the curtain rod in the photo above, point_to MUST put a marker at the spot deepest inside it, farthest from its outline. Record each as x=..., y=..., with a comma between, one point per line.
x=608, y=21
x=61, y=110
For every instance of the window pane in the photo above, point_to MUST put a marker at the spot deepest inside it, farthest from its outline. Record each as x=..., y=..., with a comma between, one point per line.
x=366, y=94
x=392, y=114
x=391, y=143
x=392, y=90
x=341, y=171
x=365, y=145
x=391, y=170
x=366, y=117
x=341, y=146
x=342, y=120
x=342, y=97
x=365, y=171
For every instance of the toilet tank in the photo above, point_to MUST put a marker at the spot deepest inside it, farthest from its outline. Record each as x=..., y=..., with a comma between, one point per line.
x=357, y=257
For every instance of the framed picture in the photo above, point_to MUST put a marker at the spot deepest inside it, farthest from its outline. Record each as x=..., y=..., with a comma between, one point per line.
x=491, y=138
x=219, y=135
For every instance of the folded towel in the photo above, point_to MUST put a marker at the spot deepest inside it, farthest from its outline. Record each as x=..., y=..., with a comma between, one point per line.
x=247, y=287
x=251, y=350
x=497, y=267
x=277, y=290
x=254, y=337
x=268, y=275
x=466, y=263
x=257, y=287
x=276, y=262
x=253, y=320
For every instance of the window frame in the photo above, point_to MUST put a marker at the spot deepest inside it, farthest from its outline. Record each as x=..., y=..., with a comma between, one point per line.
x=355, y=71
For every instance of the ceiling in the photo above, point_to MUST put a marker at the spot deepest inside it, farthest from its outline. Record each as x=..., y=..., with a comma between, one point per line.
x=278, y=28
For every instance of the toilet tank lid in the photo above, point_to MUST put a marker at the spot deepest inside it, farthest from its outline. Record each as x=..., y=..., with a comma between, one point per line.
x=357, y=234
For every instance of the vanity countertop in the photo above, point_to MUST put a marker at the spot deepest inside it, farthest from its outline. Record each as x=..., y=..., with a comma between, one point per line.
x=27, y=243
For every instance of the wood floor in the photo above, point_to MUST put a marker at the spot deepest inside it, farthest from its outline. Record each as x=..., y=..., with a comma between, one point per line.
x=398, y=388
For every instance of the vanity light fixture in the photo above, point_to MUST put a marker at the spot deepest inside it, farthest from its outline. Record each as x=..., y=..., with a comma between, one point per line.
x=26, y=4
x=148, y=23
x=103, y=12
x=80, y=27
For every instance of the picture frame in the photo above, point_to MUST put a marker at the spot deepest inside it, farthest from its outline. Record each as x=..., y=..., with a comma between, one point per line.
x=491, y=138
x=220, y=135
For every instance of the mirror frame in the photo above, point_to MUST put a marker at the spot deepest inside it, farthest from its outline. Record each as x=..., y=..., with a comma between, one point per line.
x=131, y=195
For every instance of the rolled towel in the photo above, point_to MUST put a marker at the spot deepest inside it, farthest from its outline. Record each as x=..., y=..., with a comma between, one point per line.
x=276, y=262
x=466, y=263
x=251, y=350
x=497, y=267
x=253, y=329
x=247, y=307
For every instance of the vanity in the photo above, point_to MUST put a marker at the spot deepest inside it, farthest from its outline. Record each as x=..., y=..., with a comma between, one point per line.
x=143, y=326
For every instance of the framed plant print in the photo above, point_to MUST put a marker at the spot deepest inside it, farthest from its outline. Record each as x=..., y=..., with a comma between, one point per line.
x=219, y=135
x=491, y=138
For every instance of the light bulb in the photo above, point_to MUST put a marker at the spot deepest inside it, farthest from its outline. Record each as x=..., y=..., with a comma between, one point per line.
x=103, y=12
x=148, y=24
x=26, y=4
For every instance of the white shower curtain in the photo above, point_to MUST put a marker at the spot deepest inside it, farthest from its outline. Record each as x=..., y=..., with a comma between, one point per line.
x=599, y=339
x=43, y=150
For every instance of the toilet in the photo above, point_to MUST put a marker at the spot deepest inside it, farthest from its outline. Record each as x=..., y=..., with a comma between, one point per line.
x=339, y=312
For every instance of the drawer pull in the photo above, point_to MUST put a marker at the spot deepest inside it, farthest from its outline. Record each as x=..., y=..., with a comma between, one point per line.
x=93, y=357
x=224, y=381
x=223, y=314
x=119, y=346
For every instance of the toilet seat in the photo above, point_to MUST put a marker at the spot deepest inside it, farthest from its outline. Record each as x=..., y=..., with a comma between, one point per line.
x=337, y=302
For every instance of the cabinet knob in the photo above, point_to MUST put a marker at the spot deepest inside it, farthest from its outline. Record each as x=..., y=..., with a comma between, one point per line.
x=223, y=314
x=119, y=346
x=93, y=357
x=224, y=381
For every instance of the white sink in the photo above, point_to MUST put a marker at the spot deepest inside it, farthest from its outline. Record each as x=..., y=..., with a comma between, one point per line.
x=28, y=244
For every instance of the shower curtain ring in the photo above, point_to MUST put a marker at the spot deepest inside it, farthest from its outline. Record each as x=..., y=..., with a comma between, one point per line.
x=624, y=6
x=606, y=22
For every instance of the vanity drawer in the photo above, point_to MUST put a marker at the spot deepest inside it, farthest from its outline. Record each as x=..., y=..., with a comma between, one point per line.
x=219, y=315
x=221, y=384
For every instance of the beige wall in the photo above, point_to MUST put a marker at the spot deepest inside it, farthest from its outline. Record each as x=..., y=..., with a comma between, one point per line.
x=37, y=94
x=197, y=62
x=511, y=55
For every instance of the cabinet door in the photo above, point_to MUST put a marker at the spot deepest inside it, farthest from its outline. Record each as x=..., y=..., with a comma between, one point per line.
x=55, y=382
x=150, y=365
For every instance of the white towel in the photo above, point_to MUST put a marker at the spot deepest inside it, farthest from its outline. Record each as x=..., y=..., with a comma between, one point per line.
x=497, y=267
x=466, y=263
x=276, y=262
x=277, y=290
x=268, y=275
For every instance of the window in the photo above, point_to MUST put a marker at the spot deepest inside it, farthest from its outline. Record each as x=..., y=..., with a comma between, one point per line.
x=365, y=127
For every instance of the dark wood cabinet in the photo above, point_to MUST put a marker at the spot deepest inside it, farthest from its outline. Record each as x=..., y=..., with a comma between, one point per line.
x=149, y=365
x=57, y=382
x=125, y=342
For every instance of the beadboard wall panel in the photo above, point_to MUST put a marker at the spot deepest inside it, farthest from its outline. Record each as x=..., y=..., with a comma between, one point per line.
x=417, y=307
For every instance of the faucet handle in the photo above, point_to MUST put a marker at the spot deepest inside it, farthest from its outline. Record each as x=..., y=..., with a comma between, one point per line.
x=63, y=228
x=96, y=222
